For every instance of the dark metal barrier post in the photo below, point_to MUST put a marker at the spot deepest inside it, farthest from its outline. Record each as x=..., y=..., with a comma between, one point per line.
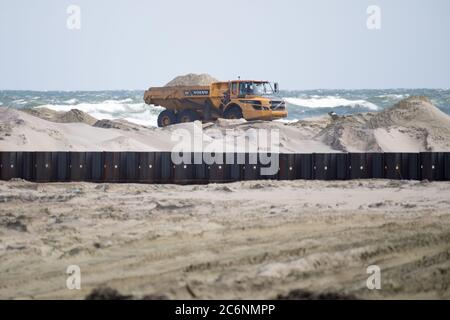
x=358, y=166
x=377, y=164
x=251, y=167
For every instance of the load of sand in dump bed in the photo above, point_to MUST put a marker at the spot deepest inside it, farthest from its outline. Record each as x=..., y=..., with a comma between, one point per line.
x=192, y=79
x=412, y=125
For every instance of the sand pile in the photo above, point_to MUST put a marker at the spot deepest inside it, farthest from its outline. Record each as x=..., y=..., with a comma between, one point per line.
x=192, y=79
x=73, y=115
x=413, y=125
x=117, y=124
x=20, y=131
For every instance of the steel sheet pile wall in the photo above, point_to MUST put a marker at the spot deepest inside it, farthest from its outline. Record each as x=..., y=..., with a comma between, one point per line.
x=158, y=167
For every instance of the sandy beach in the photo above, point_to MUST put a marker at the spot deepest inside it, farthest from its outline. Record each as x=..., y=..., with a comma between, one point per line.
x=242, y=240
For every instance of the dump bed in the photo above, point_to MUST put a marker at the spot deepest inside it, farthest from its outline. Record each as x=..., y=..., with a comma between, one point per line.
x=174, y=98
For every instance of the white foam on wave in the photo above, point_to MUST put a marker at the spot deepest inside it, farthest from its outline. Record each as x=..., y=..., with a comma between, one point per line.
x=393, y=96
x=330, y=102
x=127, y=100
x=19, y=101
x=138, y=113
x=71, y=101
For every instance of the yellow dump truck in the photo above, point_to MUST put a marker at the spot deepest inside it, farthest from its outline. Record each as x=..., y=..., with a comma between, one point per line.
x=248, y=99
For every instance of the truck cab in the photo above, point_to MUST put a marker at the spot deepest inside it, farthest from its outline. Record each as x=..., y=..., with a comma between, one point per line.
x=255, y=99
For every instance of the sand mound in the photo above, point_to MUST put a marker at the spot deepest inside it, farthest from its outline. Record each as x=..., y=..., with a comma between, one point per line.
x=20, y=131
x=192, y=79
x=73, y=115
x=411, y=125
x=118, y=124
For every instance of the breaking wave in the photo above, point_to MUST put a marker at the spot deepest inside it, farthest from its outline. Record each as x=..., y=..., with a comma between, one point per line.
x=138, y=113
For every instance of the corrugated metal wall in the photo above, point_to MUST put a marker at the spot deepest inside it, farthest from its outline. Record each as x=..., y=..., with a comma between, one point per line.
x=157, y=167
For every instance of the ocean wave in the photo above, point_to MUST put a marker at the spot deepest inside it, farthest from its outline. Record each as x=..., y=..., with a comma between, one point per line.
x=71, y=101
x=316, y=102
x=393, y=96
x=19, y=101
x=138, y=113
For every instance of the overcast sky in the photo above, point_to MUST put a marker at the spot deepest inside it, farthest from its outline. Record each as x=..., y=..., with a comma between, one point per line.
x=134, y=44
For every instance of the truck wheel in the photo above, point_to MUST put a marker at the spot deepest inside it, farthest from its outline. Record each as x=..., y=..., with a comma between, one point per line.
x=187, y=116
x=233, y=113
x=166, y=118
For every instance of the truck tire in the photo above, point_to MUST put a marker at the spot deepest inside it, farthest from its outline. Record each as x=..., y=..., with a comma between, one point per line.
x=166, y=118
x=233, y=113
x=187, y=116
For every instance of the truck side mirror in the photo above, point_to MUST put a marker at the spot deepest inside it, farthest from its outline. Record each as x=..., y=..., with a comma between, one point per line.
x=276, y=87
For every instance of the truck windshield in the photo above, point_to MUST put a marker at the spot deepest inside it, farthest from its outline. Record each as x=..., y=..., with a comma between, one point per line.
x=262, y=88
x=255, y=88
